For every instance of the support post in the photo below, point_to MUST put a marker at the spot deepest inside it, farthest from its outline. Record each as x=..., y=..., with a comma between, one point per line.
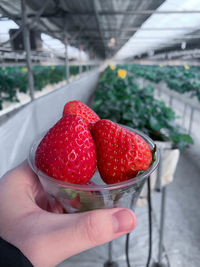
x=26, y=36
x=162, y=221
x=158, y=185
x=184, y=114
x=110, y=262
x=191, y=120
x=110, y=251
x=161, y=189
x=80, y=59
x=170, y=101
x=66, y=53
x=66, y=61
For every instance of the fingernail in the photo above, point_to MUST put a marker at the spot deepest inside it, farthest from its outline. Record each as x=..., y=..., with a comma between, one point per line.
x=124, y=221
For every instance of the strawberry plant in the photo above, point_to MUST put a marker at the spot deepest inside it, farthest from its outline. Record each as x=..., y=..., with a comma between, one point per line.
x=178, y=78
x=124, y=102
x=13, y=79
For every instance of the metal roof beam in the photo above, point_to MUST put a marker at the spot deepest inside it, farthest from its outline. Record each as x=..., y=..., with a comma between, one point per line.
x=131, y=29
x=142, y=38
x=98, y=24
x=139, y=43
x=82, y=28
x=27, y=46
x=137, y=12
x=116, y=12
x=8, y=14
x=86, y=38
x=39, y=13
x=160, y=38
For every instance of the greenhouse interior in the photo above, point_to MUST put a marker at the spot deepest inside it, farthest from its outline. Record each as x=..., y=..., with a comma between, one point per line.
x=99, y=111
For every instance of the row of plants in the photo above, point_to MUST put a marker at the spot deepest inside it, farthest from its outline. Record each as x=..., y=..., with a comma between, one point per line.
x=120, y=99
x=14, y=79
x=179, y=78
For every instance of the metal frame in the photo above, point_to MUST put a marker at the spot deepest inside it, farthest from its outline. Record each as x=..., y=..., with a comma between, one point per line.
x=98, y=24
x=163, y=190
x=116, y=12
x=80, y=60
x=122, y=32
x=25, y=28
x=59, y=13
x=26, y=36
x=187, y=103
x=162, y=224
x=159, y=187
x=66, y=53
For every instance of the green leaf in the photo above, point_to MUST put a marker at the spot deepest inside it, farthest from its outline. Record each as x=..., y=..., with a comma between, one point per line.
x=187, y=138
x=154, y=123
x=69, y=193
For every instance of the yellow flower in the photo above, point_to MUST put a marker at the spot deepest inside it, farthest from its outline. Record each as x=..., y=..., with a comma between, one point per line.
x=187, y=67
x=121, y=73
x=3, y=68
x=53, y=67
x=161, y=65
x=24, y=69
x=112, y=67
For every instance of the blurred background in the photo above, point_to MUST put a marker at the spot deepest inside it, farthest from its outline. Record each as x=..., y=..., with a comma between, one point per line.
x=136, y=62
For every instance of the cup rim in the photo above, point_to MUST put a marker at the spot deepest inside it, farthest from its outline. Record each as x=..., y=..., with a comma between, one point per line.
x=84, y=187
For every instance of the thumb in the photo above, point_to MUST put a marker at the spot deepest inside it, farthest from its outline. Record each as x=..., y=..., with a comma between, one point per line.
x=93, y=228
x=101, y=226
x=65, y=235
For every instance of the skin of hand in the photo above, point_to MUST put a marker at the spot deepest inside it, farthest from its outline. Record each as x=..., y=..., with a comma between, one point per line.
x=47, y=236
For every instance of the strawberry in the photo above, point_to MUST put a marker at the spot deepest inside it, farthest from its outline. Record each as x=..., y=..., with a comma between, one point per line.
x=78, y=108
x=121, y=154
x=67, y=152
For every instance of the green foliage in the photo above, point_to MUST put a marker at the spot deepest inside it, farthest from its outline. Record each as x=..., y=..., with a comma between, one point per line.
x=176, y=77
x=13, y=79
x=124, y=102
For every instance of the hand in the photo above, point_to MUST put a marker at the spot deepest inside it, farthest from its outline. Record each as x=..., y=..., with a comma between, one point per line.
x=47, y=236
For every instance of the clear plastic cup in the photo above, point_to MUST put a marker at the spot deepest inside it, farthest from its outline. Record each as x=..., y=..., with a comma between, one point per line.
x=96, y=194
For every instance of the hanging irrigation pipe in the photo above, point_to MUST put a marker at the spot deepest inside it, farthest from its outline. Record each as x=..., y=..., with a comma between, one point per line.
x=149, y=228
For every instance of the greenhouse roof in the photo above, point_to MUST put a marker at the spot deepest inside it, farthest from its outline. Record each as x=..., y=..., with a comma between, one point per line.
x=100, y=26
x=124, y=28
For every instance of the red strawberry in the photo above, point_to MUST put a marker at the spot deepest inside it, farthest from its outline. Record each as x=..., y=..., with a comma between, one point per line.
x=67, y=152
x=78, y=108
x=120, y=153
